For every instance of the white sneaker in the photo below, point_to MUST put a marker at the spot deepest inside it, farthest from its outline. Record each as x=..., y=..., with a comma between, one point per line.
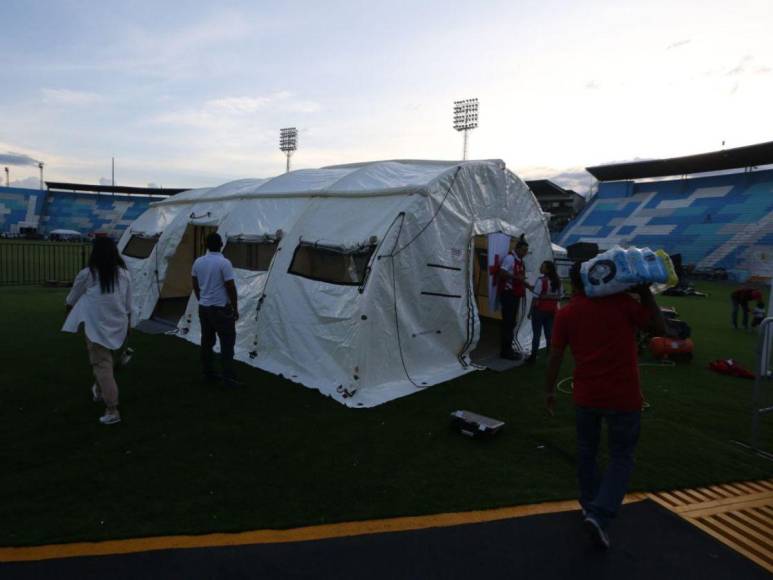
x=110, y=418
x=596, y=532
x=96, y=396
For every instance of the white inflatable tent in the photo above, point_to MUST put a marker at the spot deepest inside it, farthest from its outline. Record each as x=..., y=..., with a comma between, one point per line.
x=356, y=280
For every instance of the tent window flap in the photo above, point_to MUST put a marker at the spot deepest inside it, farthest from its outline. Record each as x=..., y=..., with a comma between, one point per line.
x=140, y=246
x=348, y=267
x=250, y=255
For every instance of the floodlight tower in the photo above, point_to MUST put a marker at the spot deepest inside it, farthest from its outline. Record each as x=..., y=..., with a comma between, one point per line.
x=7, y=177
x=465, y=119
x=40, y=166
x=288, y=142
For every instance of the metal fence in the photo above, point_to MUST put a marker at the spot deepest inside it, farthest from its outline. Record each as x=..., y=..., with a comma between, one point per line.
x=764, y=374
x=41, y=262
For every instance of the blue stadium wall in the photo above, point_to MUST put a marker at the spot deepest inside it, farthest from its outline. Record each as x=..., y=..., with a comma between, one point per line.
x=20, y=208
x=82, y=212
x=722, y=221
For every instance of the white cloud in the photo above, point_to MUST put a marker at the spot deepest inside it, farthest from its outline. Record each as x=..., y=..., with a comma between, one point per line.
x=185, y=51
x=224, y=112
x=27, y=183
x=70, y=97
x=237, y=105
x=678, y=43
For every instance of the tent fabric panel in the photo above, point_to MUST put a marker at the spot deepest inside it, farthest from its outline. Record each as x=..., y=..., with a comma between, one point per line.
x=262, y=216
x=391, y=175
x=189, y=196
x=314, y=328
x=349, y=221
x=303, y=180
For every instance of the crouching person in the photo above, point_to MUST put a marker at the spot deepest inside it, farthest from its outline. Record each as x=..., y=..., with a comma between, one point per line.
x=213, y=284
x=100, y=300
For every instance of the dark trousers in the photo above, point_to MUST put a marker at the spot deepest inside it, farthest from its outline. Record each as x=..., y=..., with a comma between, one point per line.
x=744, y=306
x=600, y=495
x=217, y=321
x=540, y=322
x=510, y=306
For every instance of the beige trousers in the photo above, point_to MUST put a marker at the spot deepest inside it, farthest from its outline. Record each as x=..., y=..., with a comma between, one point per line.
x=101, y=360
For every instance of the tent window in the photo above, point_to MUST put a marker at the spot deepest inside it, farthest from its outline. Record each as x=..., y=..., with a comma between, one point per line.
x=336, y=266
x=140, y=246
x=248, y=255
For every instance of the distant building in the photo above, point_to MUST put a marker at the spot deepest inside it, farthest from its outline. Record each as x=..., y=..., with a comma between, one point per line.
x=562, y=205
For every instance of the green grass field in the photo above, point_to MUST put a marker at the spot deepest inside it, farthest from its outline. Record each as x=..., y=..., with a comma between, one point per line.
x=191, y=459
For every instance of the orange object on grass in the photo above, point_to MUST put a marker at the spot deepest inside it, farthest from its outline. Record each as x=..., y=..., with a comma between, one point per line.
x=664, y=347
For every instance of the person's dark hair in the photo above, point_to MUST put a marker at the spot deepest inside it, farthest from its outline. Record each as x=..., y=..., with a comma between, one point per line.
x=521, y=243
x=574, y=276
x=214, y=242
x=104, y=263
x=555, y=281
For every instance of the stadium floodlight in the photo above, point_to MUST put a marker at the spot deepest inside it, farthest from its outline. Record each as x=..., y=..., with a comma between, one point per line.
x=465, y=119
x=288, y=142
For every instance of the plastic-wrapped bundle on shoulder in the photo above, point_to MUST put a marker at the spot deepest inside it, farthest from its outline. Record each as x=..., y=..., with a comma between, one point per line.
x=671, y=278
x=656, y=268
x=617, y=269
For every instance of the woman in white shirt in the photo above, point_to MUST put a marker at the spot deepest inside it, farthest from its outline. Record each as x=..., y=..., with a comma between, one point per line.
x=100, y=299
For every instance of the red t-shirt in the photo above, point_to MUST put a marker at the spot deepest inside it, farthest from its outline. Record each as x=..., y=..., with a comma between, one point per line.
x=745, y=295
x=514, y=265
x=546, y=300
x=601, y=333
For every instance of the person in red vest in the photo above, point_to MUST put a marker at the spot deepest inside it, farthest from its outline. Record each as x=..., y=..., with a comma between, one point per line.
x=601, y=333
x=547, y=293
x=511, y=289
x=740, y=298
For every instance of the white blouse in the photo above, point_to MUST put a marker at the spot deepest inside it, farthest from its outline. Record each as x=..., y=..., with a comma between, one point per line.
x=105, y=316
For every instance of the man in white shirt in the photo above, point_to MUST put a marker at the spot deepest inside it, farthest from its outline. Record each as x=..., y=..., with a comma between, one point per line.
x=213, y=284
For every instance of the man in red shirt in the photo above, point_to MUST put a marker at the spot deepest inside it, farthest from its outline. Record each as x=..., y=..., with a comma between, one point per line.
x=601, y=333
x=740, y=298
x=511, y=289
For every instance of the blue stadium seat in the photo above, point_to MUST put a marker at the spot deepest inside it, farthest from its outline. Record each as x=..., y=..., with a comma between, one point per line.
x=85, y=213
x=723, y=221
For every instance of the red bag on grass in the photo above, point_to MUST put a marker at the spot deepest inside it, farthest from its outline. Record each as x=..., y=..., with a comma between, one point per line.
x=730, y=367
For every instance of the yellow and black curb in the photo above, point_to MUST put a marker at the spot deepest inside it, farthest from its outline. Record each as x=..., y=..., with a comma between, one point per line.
x=739, y=515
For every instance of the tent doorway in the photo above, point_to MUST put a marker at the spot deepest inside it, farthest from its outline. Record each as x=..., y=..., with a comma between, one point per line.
x=176, y=291
x=490, y=320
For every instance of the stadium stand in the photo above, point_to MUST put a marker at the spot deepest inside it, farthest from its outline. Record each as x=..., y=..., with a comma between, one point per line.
x=87, y=213
x=19, y=208
x=85, y=208
x=721, y=221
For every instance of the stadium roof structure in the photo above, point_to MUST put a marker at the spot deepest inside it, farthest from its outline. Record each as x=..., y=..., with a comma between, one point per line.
x=736, y=158
x=544, y=188
x=113, y=189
